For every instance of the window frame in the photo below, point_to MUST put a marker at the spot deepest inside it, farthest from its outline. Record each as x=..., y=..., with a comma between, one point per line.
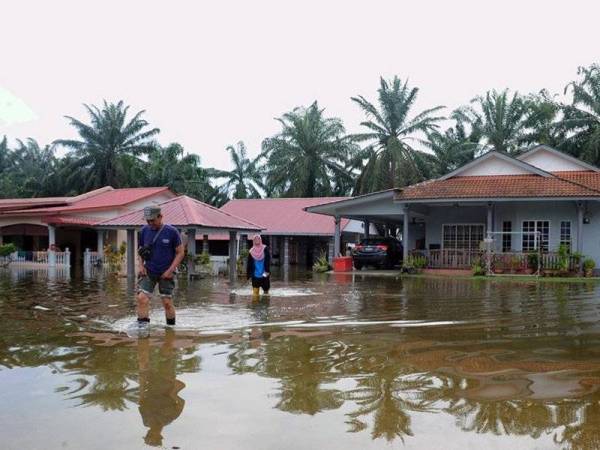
x=443, y=240
x=523, y=233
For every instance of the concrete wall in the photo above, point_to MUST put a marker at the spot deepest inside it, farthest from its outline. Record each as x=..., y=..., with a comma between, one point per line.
x=494, y=166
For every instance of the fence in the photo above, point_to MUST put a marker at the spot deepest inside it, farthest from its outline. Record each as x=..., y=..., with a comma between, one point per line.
x=30, y=258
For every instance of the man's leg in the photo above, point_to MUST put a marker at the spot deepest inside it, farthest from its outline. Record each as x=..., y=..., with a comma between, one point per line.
x=145, y=289
x=169, y=309
x=143, y=307
x=166, y=288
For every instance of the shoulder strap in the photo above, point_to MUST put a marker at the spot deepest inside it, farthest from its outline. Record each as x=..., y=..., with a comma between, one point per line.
x=156, y=235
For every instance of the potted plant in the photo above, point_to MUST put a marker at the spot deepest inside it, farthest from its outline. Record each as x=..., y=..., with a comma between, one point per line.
x=588, y=267
x=203, y=259
x=563, y=259
x=321, y=265
x=533, y=261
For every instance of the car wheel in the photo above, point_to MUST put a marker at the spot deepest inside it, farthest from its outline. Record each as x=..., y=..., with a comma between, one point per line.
x=358, y=266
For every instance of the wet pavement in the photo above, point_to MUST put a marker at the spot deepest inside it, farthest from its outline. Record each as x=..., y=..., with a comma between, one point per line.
x=325, y=361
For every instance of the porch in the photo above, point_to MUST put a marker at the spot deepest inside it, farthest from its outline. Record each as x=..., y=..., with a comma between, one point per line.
x=500, y=262
x=458, y=233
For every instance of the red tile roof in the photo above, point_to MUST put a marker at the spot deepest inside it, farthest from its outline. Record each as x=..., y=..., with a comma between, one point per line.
x=561, y=184
x=104, y=198
x=185, y=211
x=286, y=216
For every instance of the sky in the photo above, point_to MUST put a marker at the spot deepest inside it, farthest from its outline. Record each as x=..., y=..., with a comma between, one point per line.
x=210, y=74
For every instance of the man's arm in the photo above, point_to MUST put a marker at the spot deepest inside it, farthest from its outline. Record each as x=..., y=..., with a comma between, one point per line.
x=179, y=255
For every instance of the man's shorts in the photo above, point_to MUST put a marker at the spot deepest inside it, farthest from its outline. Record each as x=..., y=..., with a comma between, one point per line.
x=147, y=283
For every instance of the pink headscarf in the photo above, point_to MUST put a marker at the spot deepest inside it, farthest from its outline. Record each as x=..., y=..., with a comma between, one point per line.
x=258, y=248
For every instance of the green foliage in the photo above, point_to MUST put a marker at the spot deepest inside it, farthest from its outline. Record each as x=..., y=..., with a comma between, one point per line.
x=203, y=259
x=242, y=260
x=7, y=249
x=563, y=258
x=533, y=260
x=308, y=157
x=321, y=264
x=109, y=147
x=589, y=265
x=478, y=269
x=392, y=161
x=414, y=263
x=500, y=119
x=115, y=257
x=245, y=179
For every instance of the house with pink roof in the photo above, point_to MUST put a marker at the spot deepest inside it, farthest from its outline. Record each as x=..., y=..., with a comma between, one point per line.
x=35, y=225
x=294, y=235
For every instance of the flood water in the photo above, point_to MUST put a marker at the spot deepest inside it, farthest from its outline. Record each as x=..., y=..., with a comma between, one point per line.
x=325, y=362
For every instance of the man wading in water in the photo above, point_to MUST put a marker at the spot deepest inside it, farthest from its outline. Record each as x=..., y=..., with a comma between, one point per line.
x=160, y=252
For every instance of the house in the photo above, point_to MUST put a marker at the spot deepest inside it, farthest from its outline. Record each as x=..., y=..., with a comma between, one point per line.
x=294, y=235
x=189, y=215
x=515, y=205
x=38, y=224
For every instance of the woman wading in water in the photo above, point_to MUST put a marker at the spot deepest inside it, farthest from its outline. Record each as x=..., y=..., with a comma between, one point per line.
x=259, y=266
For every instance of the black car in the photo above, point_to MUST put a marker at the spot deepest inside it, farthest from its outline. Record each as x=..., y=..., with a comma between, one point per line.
x=383, y=252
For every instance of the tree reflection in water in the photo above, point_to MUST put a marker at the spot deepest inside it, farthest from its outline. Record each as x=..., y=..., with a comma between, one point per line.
x=389, y=387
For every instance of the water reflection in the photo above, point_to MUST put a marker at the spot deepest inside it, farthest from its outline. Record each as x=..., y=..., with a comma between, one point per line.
x=159, y=400
x=508, y=360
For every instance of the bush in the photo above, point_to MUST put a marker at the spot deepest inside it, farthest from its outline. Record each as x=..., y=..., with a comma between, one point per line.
x=478, y=269
x=115, y=257
x=7, y=249
x=321, y=264
x=563, y=258
x=203, y=259
x=589, y=265
x=414, y=264
x=533, y=260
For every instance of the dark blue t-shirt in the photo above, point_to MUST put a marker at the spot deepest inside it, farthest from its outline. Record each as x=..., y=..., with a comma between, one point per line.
x=163, y=250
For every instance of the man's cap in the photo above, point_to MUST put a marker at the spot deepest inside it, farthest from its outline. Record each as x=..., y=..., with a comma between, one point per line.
x=151, y=212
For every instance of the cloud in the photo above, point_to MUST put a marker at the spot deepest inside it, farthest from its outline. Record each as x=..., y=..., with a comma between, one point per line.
x=13, y=110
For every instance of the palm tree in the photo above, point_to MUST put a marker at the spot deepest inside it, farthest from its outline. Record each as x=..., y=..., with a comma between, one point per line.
x=245, y=180
x=182, y=173
x=392, y=160
x=34, y=170
x=452, y=148
x=582, y=118
x=307, y=158
x=106, y=142
x=501, y=121
x=542, y=121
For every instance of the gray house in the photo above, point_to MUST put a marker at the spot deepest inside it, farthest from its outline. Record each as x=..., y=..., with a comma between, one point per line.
x=518, y=206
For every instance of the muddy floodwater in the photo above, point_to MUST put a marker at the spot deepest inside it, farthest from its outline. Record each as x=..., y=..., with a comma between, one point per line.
x=324, y=362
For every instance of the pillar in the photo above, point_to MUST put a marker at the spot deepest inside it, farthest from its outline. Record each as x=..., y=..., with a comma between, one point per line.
x=130, y=253
x=51, y=244
x=405, y=234
x=490, y=215
x=232, y=255
x=331, y=250
x=367, y=229
x=580, y=227
x=191, y=250
x=100, y=243
x=286, y=253
x=205, y=243
x=337, y=237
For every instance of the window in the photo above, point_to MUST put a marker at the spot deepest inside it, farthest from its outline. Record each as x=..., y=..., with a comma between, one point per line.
x=462, y=236
x=565, y=234
x=536, y=234
x=507, y=238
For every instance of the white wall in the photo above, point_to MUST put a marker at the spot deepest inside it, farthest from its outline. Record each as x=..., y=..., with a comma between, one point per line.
x=494, y=166
x=551, y=162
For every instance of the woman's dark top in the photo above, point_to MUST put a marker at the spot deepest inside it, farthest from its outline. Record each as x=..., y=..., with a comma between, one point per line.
x=250, y=264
